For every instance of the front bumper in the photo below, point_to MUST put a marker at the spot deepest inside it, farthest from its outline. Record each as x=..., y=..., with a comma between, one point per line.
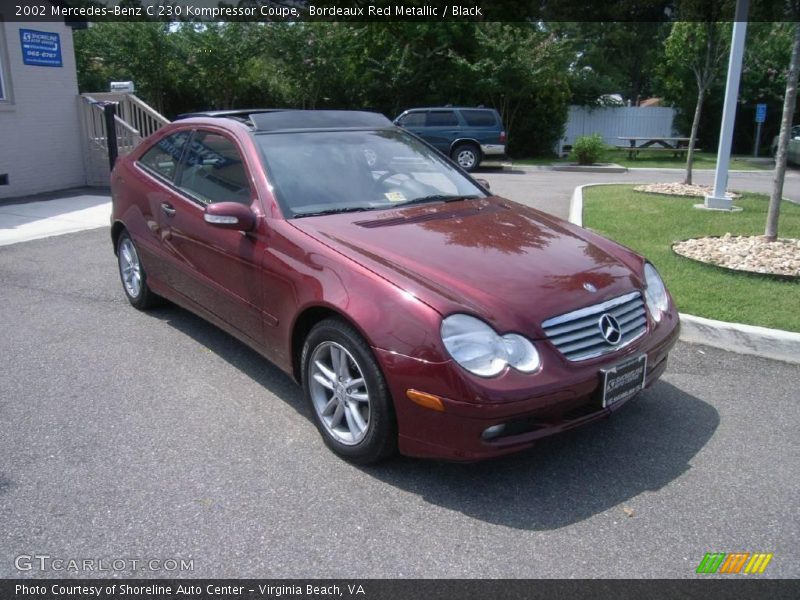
x=566, y=395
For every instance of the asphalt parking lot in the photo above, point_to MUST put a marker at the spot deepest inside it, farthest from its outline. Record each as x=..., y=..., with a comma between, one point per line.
x=551, y=191
x=156, y=436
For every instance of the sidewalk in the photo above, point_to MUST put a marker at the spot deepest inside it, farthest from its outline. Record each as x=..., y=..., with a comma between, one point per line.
x=45, y=215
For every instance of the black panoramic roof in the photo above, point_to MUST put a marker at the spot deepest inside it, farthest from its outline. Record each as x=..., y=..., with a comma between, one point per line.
x=277, y=119
x=318, y=119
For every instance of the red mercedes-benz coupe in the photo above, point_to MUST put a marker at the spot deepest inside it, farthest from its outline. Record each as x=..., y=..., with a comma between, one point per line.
x=419, y=312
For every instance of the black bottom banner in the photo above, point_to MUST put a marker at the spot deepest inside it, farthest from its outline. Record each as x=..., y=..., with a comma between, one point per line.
x=388, y=589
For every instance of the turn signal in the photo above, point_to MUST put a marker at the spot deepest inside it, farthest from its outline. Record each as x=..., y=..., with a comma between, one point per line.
x=426, y=400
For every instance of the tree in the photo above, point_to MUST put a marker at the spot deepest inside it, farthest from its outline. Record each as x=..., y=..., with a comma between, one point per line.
x=520, y=70
x=388, y=67
x=613, y=58
x=790, y=99
x=699, y=47
x=143, y=52
x=399, y=65
x=222, y=61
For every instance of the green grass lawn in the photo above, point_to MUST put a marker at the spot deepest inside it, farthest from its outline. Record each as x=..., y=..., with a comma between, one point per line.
x=657, y=160
x=649, y=224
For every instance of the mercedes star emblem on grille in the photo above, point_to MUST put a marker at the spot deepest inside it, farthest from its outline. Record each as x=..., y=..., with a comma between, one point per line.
x=610, y=329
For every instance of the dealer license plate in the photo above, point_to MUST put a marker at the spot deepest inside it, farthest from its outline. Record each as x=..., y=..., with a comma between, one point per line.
x=624, y=380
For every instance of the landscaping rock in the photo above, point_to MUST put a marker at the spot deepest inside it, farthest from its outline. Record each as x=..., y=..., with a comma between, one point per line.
x=680, y=189
x=745, y=253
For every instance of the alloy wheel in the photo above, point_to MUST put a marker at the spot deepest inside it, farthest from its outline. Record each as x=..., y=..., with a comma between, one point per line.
x=130, y=268
x=339, y=393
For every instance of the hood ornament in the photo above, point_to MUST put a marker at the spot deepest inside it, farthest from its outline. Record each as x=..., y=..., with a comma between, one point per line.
x=589, y=287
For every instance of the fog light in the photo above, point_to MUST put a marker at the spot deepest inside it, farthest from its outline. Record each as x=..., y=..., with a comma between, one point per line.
x=494, y=431
x=426, y=400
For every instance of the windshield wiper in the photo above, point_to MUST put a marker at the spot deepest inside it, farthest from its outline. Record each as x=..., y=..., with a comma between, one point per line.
x=437, y=198
x=333, y=211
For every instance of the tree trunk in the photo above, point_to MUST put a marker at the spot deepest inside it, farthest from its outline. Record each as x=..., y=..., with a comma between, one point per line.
x=701, y=93
x=789, y=100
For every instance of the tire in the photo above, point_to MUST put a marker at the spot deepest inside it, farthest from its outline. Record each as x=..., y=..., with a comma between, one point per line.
x=466, y=156
x=348, y=396
x=133, y=276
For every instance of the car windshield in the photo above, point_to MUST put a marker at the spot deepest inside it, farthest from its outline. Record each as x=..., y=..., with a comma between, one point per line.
x=321, y=172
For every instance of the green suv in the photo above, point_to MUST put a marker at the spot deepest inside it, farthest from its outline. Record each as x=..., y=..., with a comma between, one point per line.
x=467, y=135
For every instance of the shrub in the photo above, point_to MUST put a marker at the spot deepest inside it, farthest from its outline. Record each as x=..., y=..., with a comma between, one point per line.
x=588, y=149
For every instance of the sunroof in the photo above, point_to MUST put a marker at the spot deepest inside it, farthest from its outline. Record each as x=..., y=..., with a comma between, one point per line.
x=317, y=119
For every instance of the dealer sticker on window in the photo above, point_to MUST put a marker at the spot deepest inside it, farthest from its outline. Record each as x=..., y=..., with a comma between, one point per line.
x=395, y=197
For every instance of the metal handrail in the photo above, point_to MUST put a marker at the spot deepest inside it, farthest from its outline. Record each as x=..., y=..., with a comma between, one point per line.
x=134, y=111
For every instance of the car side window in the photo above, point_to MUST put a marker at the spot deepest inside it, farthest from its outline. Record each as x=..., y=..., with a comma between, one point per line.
x=415, y=119
x=213, y=170
x=442, y=118
x=162, y=159
x=479, y=118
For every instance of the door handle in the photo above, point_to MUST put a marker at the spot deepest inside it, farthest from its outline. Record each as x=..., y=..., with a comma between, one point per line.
x=167, y=208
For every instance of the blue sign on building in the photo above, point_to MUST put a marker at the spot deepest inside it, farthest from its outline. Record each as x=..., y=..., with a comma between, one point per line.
x=761, y=113
x=40, y=48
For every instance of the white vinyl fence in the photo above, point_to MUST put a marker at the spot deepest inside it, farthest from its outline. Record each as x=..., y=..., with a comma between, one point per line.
x=613, y=122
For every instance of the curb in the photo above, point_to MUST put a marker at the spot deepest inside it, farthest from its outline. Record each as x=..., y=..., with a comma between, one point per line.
x=743, y=339
x=599, y=168
x=774, y=344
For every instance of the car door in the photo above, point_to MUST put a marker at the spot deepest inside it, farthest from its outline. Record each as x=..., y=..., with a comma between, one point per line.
x=152, y=194
x=441, y=129
x=219, y=269
x=482, y=125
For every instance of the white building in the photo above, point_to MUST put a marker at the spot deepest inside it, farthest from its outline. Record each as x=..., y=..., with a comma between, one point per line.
x=40, y=133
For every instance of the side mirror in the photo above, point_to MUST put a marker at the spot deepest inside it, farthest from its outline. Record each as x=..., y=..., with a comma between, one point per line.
x=484, y=183
x=230, y=215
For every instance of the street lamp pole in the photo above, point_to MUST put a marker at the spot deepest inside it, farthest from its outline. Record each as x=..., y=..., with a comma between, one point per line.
x=718, y=200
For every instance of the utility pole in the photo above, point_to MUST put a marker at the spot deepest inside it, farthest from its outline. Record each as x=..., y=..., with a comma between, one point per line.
x=718, y=200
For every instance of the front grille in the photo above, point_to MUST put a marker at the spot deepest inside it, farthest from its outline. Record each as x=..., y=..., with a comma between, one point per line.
x=578, y=336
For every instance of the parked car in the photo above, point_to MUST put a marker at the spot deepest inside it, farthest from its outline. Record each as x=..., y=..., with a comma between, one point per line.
x=793, y=150
x=467, y=135
x=416, y=310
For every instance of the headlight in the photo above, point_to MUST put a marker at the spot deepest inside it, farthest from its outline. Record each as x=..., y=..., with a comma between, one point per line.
x=480, y=350
x=655, y=293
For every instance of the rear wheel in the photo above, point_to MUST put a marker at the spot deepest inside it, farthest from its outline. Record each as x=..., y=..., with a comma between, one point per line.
x=468, y=156
x=132, y=274
x=345, y=388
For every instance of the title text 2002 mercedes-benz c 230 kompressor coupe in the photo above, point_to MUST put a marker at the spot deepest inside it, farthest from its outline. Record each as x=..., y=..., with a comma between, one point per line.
x=418, y=311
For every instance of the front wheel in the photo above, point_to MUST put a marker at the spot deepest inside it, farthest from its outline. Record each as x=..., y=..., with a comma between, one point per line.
x=348, y=396
x=468, y=156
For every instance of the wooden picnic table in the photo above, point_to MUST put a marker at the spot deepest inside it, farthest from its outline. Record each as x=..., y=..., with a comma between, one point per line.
x=676, y=145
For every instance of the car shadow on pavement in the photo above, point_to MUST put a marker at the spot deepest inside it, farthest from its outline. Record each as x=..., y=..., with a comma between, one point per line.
x=235, y=353
x=562, y=480
x=568, y=478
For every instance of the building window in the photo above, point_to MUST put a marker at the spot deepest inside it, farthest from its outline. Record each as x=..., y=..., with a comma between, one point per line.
x=4, y=93
x=2, y=83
